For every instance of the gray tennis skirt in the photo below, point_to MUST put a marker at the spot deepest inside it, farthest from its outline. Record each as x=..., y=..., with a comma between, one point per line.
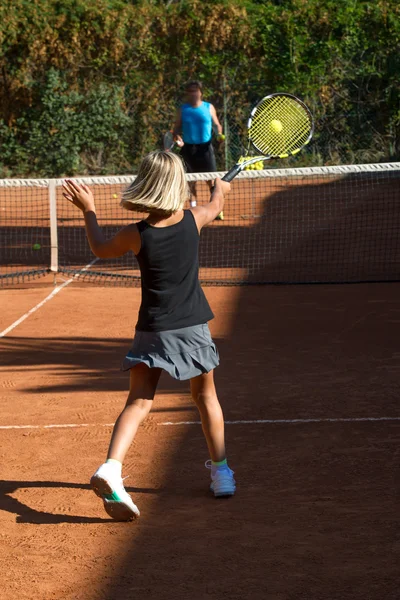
x=183, y=353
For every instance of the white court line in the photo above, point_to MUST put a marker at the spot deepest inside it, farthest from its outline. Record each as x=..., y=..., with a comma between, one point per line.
x=57, y=426
x=290, y=421
x=247, y=422
x=49, y=297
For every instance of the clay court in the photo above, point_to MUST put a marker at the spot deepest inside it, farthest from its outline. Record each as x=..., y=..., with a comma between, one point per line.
x=309, y=385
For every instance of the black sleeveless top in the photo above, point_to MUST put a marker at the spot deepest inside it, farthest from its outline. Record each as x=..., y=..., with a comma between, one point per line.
x=169, y=266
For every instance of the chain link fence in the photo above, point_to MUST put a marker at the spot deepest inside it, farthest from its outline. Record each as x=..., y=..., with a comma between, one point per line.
x=228, y=152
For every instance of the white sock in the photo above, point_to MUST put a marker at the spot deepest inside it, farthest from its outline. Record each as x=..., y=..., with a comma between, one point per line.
x=116, y=466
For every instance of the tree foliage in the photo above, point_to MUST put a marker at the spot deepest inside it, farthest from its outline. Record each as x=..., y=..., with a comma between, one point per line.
x=88, y=86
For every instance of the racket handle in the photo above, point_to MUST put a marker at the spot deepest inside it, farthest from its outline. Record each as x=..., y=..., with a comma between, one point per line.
x=232, y=173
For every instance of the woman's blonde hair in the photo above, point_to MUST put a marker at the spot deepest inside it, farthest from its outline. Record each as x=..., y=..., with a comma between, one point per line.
x=160, y=185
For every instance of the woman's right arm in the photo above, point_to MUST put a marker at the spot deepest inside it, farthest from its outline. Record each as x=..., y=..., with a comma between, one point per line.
x=206, y=214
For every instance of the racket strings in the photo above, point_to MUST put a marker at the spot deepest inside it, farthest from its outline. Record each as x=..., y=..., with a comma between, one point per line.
x=279, y=126
x=168, y=140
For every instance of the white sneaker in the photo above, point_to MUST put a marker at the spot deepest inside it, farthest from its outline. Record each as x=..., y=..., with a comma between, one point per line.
x=222, y=482
x=110, y=488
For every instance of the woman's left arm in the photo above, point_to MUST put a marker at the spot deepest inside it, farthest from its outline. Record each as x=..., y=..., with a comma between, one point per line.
x=126, y=239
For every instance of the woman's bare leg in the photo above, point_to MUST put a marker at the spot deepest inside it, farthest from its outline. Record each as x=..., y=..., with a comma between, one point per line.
x=143, y=386
x=212, y=419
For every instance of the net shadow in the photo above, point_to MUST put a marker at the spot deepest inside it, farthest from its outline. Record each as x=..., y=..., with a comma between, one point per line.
x=86, y=363
x=315, y=514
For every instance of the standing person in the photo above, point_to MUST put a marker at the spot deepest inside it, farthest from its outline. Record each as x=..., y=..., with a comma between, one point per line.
x=172, y=331
x=193, y=128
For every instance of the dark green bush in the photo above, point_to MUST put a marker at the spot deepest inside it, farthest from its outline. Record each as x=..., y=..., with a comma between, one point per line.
x=88, y=86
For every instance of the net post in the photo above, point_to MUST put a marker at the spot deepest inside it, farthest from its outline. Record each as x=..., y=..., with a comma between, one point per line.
x=53, y=225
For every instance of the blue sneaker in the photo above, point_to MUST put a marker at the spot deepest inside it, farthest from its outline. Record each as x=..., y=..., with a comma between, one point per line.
x=222, y=481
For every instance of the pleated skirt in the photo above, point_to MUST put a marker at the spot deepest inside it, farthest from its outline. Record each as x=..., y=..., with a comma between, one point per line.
x=183, y=353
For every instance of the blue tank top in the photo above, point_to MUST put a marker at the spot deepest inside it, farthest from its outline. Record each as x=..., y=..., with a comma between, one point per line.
x=196, y=123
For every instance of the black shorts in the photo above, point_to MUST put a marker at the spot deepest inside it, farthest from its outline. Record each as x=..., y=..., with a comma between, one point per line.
x=199, y=158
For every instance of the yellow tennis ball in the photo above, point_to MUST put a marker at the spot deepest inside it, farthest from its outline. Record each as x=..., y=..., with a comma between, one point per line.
x=276, y=126
x=36, y=247
x=115, y=195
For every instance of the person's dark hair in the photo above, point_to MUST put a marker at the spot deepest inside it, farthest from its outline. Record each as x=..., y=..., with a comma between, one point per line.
x=194, y=83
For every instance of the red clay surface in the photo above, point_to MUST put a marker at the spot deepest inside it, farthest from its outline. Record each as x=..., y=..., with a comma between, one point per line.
x=315, y=516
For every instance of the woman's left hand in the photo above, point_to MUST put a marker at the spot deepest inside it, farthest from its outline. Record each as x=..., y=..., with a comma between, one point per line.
x=80, y=195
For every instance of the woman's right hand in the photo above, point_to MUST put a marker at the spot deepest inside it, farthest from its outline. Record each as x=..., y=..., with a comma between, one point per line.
x=223, y=187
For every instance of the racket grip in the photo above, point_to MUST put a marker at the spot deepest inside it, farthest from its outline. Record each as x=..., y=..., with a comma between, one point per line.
x=232, y=173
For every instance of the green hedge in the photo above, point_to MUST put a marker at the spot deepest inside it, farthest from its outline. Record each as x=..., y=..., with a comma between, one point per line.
x=89, y=86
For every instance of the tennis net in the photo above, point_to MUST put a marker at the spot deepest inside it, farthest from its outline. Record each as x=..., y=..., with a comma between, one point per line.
x=310, y=225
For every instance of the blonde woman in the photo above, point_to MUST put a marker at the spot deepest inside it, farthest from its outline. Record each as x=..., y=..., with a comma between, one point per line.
x=172, y=333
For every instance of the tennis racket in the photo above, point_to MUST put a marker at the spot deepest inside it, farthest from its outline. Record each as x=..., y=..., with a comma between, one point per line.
x=279, y=126
x=169, y=143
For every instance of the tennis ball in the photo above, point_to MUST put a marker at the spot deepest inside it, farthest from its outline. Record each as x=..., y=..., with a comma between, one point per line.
x=36, y=247
x=276, y=126
x=115, y=195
